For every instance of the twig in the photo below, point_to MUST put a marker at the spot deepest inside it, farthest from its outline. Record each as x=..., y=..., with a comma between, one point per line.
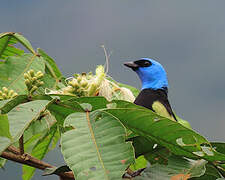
x=21, y=145
x=138, y=172
x=13, y=149
x=26, y=159
x=131, y=174
x=14, y=155
x=129, y=171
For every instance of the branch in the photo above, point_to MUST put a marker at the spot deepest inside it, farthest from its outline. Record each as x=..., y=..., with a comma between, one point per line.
x=14, y=155
x=13, y=149
x=21, y=145
x=25, y=159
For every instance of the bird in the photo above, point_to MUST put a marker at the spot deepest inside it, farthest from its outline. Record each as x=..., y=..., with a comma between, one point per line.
x=154, y=91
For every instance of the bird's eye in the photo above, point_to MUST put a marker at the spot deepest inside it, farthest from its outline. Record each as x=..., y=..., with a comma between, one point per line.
x=143, y=63
x=146, y=63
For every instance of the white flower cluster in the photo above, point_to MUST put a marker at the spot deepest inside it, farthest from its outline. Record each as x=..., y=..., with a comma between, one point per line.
x=87, y=84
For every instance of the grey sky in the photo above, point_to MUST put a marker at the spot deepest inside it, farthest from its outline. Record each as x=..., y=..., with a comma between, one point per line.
x=186, y=37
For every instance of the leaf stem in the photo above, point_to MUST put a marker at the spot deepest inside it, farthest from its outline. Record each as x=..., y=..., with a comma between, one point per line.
x=106, y=59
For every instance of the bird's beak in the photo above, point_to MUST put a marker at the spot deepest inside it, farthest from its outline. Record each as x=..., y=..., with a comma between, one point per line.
x=131, y=65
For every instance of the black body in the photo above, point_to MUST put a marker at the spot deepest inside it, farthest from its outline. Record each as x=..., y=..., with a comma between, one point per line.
x=148, y=96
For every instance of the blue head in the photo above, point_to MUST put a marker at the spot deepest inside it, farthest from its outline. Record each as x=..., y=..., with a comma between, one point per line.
x=151, y=73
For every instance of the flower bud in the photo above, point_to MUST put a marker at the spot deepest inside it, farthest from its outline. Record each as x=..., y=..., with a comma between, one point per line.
x=27, y=82
x=73, y=83
x=79, y=79
x=76, y=86
x=68, y=89
x=5, y=90
x=26, y=76
x=40, y=83
x=31, y=72
x=84, y=83
x=92, y=89
x=70, y=83
x=89, y=75
x=39, y=75
x=11, y=92
x=34, y=78
x=0, y=93
x=100, y=75
x=79, y=90
x=4, y=96
x=14, y=95
x=99, y=70
x=34, y=88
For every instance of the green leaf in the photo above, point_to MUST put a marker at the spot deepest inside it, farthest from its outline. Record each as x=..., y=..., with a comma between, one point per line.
x=51, y=65
x=41, y=126
x=177, y=138
x=38, y=138
x=177, y=168
x=5, y=136
x=140, y=163
x=211, y=173
x=56, y=170
x=86, y=106
x=63, y=97
x=95, y=148
x=55, y=139
x=152, y=151
x=7, y=40
x=2, y=162
x=4, y=126
x=96, y=102
x=219, y=146
x=19, y=119
x=3, y=102
x=182, y=121
x=24, y=42
x=62, y=109
x=11, y=103
x=13, y=68
x=53, y=76
x=49, y=82
x=158, y=155
x=142, y=145
x=39, y=151
x=10, y=38
x=42, y=97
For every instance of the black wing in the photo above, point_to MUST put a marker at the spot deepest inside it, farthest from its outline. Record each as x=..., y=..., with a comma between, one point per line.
x=147, y=97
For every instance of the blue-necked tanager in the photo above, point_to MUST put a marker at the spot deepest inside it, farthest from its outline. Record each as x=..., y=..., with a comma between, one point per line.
x=154, y=90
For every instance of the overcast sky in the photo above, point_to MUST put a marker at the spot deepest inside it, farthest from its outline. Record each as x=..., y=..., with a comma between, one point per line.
x=186, y=37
